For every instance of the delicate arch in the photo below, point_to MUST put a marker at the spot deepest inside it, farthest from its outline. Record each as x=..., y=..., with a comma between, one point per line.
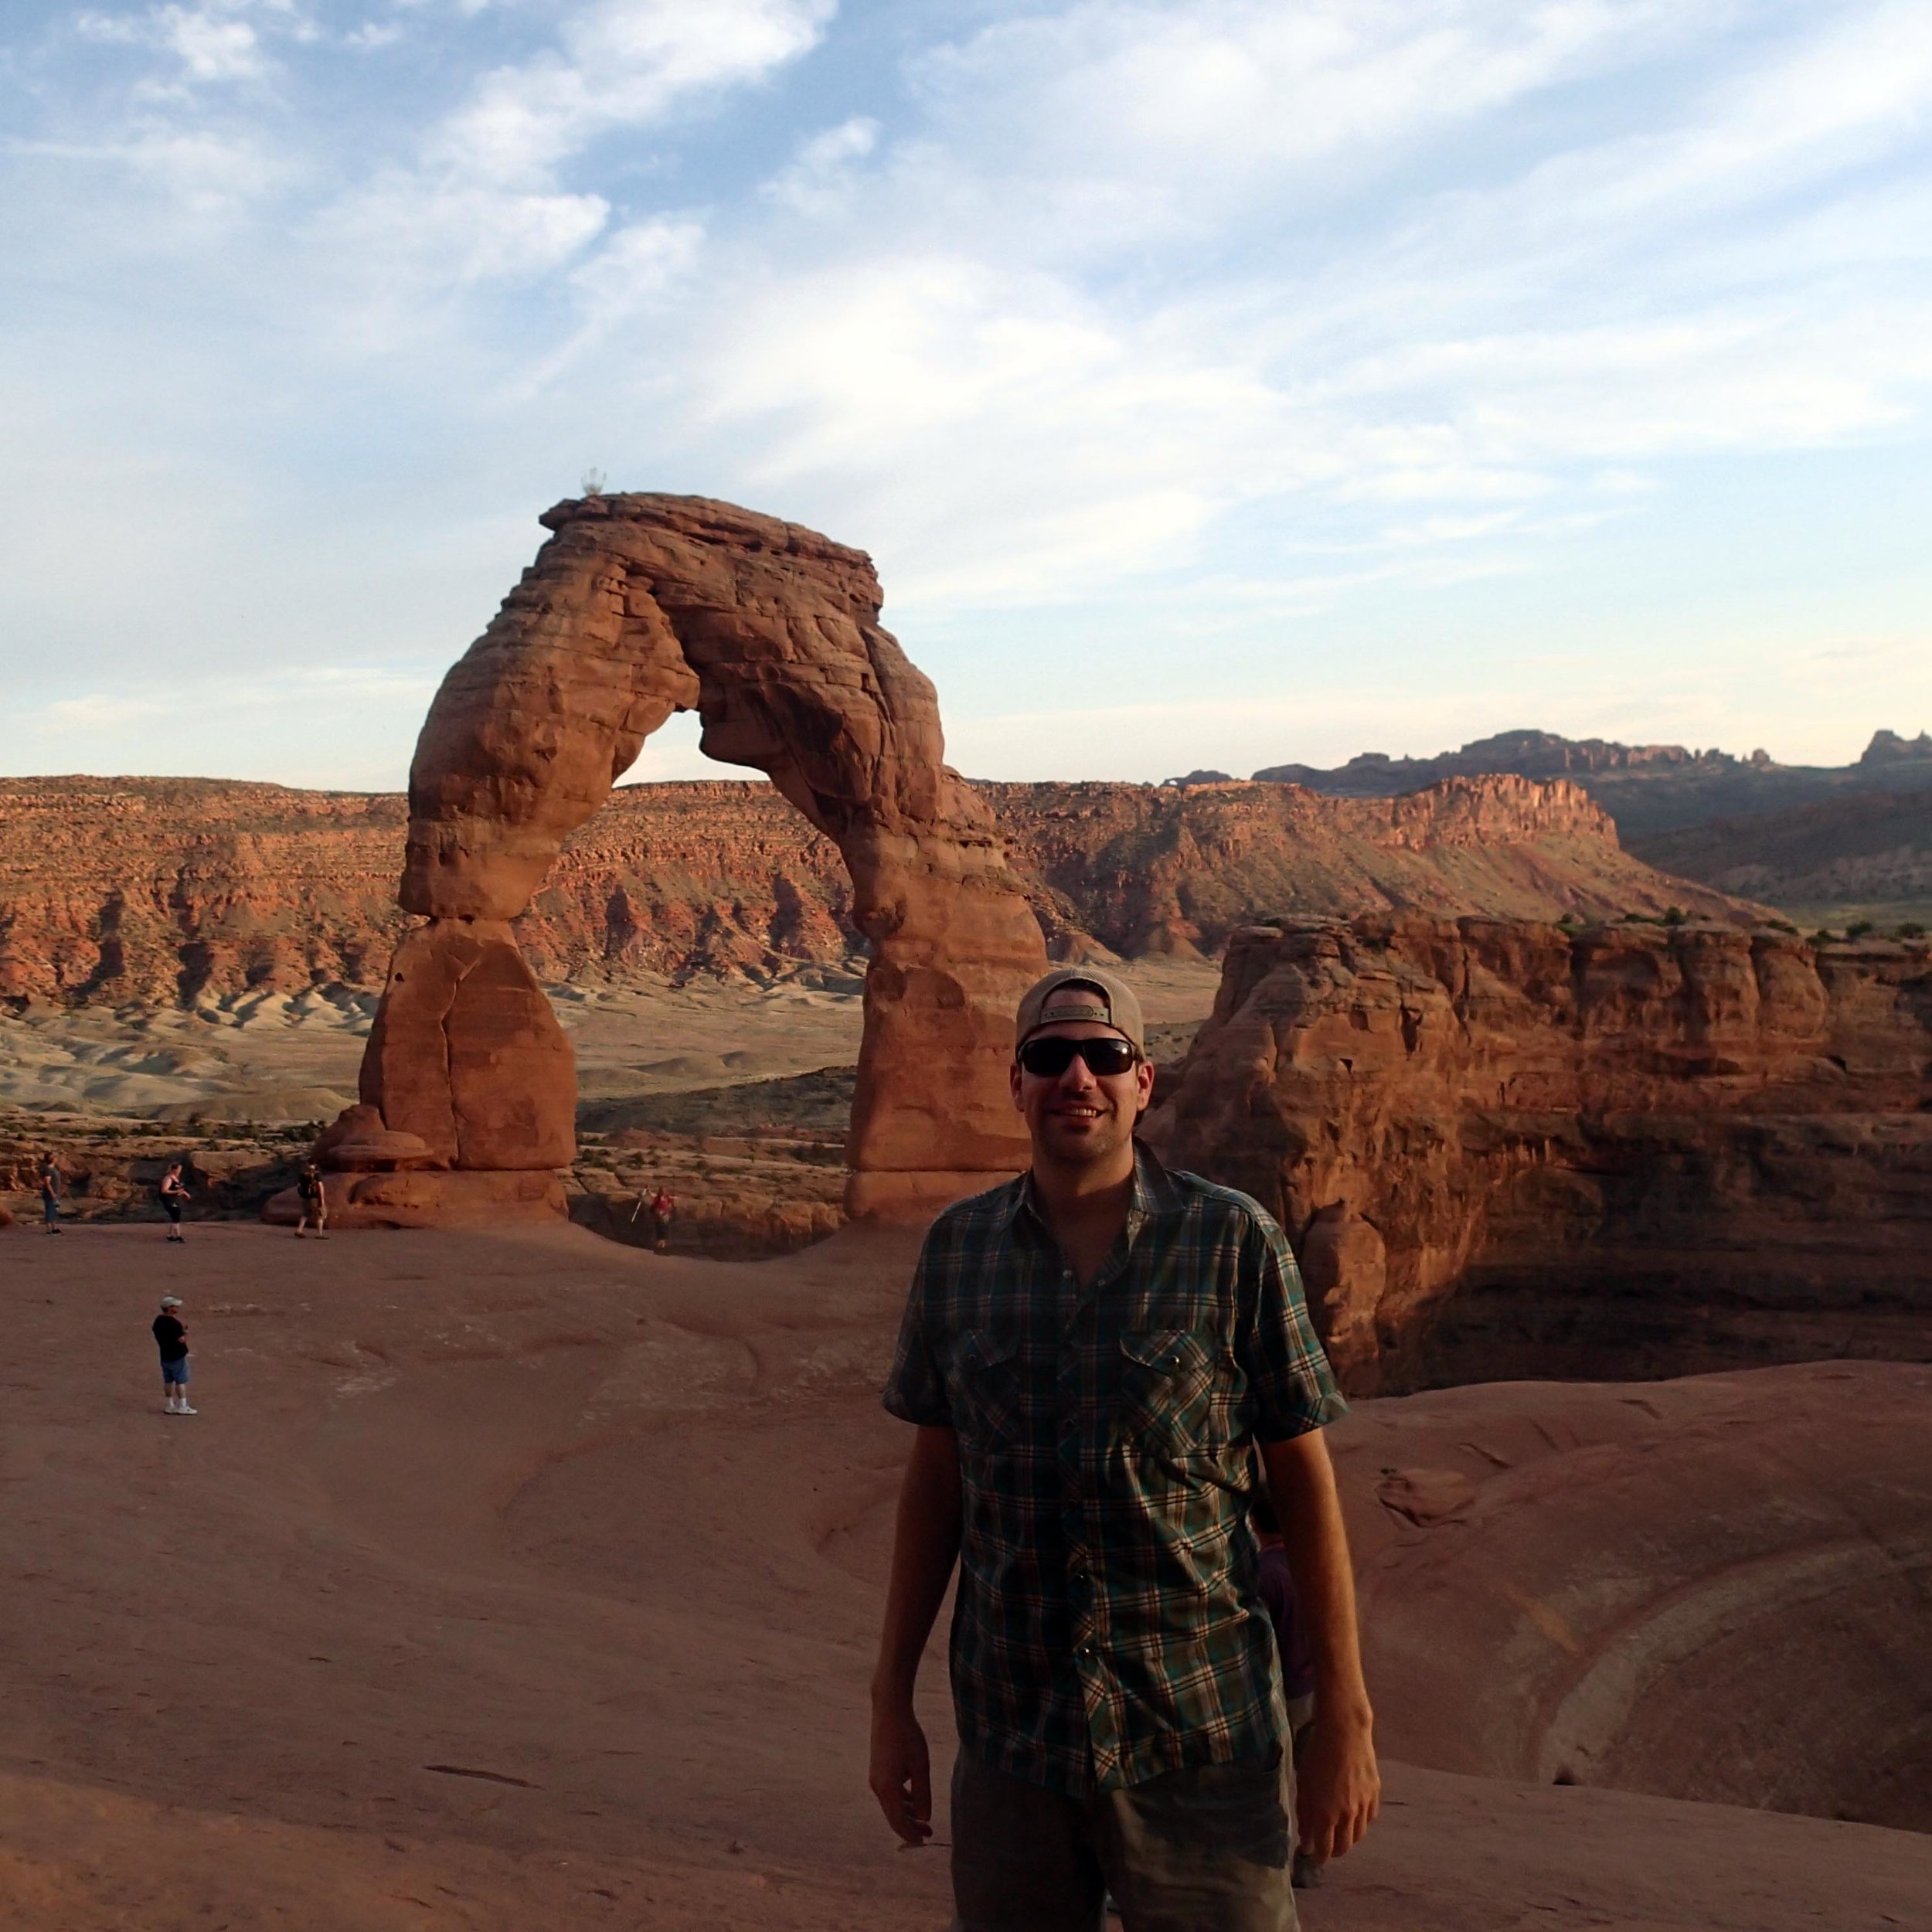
x=639, y=605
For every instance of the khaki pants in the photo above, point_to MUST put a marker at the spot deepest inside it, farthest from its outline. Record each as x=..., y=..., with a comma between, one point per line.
x=1206, y=1849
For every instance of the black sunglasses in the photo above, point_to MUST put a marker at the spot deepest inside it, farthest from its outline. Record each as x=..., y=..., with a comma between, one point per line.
x=1049, y=1058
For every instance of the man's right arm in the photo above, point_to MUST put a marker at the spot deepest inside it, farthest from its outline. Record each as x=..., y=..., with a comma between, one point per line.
x=925, y=1547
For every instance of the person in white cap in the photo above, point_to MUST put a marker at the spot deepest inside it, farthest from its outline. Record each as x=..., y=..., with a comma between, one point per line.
x=170, y=1336
x=1093, y=1355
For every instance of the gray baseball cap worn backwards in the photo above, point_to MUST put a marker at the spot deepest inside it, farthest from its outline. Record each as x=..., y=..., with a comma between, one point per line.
x=1081, y=993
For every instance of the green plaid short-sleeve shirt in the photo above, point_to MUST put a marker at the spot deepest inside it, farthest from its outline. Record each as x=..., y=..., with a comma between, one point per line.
x=1109, y=1625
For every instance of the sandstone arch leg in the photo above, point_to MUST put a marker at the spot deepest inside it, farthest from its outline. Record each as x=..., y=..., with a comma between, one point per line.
x=637, y=607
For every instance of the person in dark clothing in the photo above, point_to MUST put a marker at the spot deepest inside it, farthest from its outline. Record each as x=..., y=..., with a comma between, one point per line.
x=315, y=1203
x=171, y=1337
x=52, y=1184
x=173, y=1198
x=664, y=1206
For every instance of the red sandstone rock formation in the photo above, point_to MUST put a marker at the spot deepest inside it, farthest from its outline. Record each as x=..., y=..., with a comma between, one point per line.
x=153, y=890
x=1502, y=1147
x=1165, y=869
x=637, y=607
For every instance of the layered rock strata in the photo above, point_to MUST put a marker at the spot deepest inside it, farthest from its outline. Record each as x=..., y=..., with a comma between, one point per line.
x=637, y=607
x=1145, y=869
x=164, y=891
x=1505, y=1148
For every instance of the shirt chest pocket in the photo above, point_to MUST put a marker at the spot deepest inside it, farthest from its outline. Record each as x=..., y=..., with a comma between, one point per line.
x=988, y=1396
x=1168, y=1388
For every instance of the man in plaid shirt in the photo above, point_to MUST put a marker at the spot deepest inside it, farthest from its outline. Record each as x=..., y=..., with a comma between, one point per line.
x=1091, y=1355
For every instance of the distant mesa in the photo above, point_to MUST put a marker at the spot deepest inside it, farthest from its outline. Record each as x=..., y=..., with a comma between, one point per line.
x=1645, y=788
x=1867, y=851
x=1202, y=778
x=1888, y=748
x=1530, y=754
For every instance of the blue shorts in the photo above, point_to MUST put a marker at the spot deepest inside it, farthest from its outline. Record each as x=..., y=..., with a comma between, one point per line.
x=175, y=1371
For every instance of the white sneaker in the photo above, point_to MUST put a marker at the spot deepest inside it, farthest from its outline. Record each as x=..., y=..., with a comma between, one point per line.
x=185, y=1410
x=170, y=1406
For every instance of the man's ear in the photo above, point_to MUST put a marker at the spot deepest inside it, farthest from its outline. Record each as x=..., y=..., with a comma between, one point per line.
x=1013, y=1084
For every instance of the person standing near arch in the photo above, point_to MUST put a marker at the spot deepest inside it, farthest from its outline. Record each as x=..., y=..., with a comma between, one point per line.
x=1094, y=1357
x=173, y=1198
x=52, y=1186
x=314, y=1213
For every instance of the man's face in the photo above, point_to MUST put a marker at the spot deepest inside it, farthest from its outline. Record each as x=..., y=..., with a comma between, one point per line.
x=1078, y=1116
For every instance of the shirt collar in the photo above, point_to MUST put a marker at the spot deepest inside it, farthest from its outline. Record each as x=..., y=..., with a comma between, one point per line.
x=1154, y=1194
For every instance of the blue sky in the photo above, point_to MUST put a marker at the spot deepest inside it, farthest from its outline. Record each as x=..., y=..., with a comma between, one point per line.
x=1214, y=384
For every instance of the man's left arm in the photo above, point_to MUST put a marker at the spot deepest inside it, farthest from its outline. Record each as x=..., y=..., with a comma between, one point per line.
x=1293, y=1397
x=1337, y=1786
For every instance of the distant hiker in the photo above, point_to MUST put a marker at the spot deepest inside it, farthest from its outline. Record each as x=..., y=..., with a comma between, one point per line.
x=171, y=1337
x=663, y=1208
x=1096, y=1356
x=52, y=1185
x=315, y=1203
x=173, y=1198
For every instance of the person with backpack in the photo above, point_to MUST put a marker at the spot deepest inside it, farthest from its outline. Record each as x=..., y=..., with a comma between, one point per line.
x=315, y=1203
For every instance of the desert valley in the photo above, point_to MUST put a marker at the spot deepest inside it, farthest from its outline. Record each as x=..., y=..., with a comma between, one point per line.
x=514, y=1573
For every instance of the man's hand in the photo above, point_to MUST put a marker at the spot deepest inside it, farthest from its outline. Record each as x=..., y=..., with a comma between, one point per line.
x=1338, y=1790
x=902, y=1773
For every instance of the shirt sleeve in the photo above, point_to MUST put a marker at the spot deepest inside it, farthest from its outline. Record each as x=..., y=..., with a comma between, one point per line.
x=1291, y=1388
x=916, y=1389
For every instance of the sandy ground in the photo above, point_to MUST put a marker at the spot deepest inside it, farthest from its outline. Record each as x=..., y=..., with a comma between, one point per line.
x=532, y=1581
x=271, y=1057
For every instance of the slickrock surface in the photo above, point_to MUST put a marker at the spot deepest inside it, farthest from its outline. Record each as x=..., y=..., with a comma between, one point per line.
x=638, y=606
x=1508, y=1148
x=1715, y=1587
x=532, y=1580
x=121, y=890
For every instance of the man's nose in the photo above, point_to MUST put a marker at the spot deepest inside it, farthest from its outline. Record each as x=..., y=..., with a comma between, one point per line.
x=1079, y=1076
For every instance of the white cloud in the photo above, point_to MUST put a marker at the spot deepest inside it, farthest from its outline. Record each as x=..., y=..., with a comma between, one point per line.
x=819, y=181
x=621, y=63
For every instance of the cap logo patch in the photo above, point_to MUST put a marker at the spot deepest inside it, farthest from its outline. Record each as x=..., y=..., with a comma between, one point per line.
x=1073, y=1009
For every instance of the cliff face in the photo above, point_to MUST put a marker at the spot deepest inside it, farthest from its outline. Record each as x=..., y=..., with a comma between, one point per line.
x=1503, y=1150
x=1875, y=849
x=151, y=889
x=159, y=890
x=1147, y=870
